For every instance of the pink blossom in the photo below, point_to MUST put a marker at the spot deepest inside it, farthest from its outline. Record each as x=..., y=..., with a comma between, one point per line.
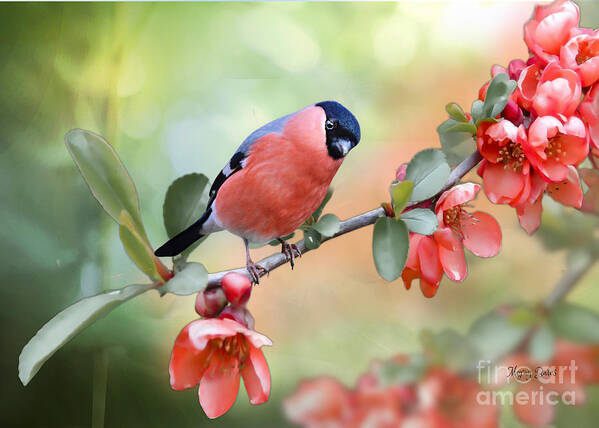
x=215, y=353
x=581, y=54
x=553, y=144
x=558, y=92
x=549, y=28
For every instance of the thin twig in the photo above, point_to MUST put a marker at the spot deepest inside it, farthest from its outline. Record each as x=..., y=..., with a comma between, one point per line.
x=568, y=281
x=275, y=260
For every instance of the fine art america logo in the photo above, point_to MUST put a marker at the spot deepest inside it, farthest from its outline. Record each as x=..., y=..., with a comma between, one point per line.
x=545, y=384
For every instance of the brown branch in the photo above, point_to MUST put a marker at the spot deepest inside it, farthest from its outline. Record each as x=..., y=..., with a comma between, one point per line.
x=568, y=281
x=275, y=260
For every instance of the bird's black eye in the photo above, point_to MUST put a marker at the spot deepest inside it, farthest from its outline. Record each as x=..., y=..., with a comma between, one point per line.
x=329, y=125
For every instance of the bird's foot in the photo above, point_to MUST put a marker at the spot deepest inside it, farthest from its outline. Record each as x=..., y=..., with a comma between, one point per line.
x=290, y=251
x=255, y=271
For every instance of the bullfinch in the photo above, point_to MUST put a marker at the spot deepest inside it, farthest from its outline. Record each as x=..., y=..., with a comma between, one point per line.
x=275, y=180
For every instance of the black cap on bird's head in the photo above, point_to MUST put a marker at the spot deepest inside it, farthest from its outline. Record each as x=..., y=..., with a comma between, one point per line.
x=341, y=127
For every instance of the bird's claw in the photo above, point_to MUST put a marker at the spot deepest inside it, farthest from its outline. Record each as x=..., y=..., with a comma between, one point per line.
x=255, y=271
x=290, y=251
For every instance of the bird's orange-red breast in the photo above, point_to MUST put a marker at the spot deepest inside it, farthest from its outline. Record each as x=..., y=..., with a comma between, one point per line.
x=285, y=178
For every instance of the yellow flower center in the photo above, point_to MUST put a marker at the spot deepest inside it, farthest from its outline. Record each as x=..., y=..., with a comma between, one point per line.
x=554, y=148
x=511, y=156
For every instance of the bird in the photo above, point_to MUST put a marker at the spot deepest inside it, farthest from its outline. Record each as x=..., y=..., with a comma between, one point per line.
x=275, y=180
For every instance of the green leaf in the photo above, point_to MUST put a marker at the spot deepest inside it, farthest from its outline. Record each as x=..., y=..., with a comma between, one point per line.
x=575, y=322
x=542, y=344
x=312, y=238
x=64, y=326
x=420, y=220
x=105, y=175
x=390, y=244
x=498, y=92
x=137, y=247
x=328, y=225
x=184, y=203
x=428, y=170
x=477, y=110
x=494, y=336
x=316, y=215
x=400, y=195
x=456, y=112
x=457, y=145
x=193, y=278
x=469, y=128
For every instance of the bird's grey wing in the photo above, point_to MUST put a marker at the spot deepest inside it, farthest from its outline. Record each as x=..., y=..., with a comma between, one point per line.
x=237, y=161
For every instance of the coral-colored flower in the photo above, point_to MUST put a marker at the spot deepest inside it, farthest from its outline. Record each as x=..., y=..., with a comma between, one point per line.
x=479, y=231
x=581, y=54
x=214, y=353
x=589, y=110
x=505, y=169
x=550, y=28
x=321, y=402
x=430, y=256
x=558, y=92
x=423, y=263
x=527, y=85
x=553, y=144
x=549, y=92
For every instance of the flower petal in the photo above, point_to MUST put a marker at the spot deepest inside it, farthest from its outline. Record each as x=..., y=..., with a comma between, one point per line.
x=218, y=391
x=457, y=195
x=187, y=364
x=503, y=185
x=451, y=254
x=482, y=236
x=428, y=290
x=568, y=192
x=430, y=265
x=529, y=215
x=256, y=376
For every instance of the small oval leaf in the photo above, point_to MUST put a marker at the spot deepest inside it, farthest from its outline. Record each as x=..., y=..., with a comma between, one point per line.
x=456, y=112
x=328, y=225
x=420, y=220
x=67, y=323
x=311, y=238
x=189, y=280
x=390, y=244
x=575, y=322
x=184, y=203
x=493, y=335
x=400, y=195
x=104, y=173
x=428, y=170
x=498, y=92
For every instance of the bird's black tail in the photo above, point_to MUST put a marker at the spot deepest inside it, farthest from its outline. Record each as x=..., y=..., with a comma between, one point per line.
x=180, y=242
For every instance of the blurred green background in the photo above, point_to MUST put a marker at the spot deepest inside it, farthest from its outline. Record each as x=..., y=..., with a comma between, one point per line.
x=175, y=88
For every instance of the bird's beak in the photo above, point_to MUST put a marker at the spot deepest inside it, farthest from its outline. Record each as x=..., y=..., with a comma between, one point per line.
x=343, y=146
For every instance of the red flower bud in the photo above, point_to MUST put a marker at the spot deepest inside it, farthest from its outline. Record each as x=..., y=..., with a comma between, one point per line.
x=515, y=68
x=239, y=314
x=513, y=113
x=210, y=303
x=400, y=175
x=237, y=288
